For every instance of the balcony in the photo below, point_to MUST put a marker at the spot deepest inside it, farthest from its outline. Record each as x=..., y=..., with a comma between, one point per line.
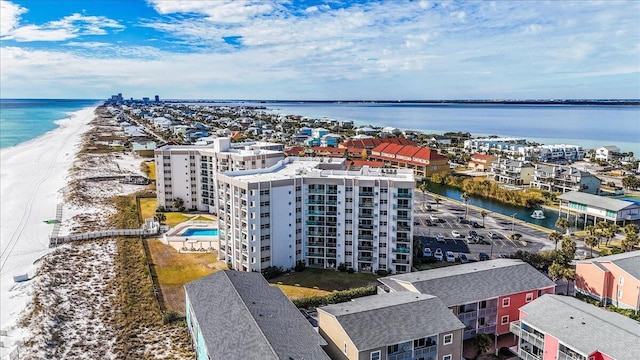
x=314, y=202
x=365, y=226
x=315, y=233
x=401, y=217
x=365, y=248
x=332, y=202
x=366, y=193
x=365, y=259
x=400, y=261
x=315, y=243
x=316, y=191
x=401, y=250
x=315, y=212
x=366, y=215
x=314, y=254
x=402, y=206
x=365, y=237
x=310, y=222
x=402, y=196
x=533, y=339
x=366, y=204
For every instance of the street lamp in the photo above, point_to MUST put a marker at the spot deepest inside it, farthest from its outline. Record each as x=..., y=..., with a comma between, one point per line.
x=513, y=222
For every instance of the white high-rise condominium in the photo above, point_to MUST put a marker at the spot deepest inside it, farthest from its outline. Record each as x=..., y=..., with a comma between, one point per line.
x=188, y=172
x=313, y=210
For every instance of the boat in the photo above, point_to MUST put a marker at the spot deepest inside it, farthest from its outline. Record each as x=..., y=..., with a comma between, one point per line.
x=538, y=214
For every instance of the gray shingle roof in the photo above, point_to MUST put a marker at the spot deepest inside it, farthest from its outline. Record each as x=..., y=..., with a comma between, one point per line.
x=596, y=201
x=242, y=317
x=387, y=319
x=629, y=262
x=585, y=327
x=467, y=283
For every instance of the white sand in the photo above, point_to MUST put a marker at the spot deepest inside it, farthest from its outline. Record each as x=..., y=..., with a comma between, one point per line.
x=31, y=177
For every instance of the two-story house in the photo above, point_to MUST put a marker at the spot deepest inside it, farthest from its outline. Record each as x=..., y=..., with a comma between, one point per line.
x=481, y=162
x=613, y=279
x=565, y=328
x=394, y=326
x=511, y=172
x=485, y=295
x=564, y=179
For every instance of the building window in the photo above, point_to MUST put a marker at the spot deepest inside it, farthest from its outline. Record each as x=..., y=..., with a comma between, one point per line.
x=344, y=349
x=621, y=281
x=447, y=339
x=619, y=293
x=529, y=297
x=504, y=320
x=506, y=302
x=447, y=357
x=375, y=355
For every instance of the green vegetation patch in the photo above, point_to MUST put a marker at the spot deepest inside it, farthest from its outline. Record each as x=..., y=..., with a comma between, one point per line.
x=328, y=280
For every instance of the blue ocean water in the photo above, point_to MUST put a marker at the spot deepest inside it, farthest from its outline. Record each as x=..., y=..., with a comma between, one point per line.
x=591, y=126
x=25, y=119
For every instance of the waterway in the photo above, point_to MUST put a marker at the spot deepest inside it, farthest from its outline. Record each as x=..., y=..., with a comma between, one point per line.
x=522, y=213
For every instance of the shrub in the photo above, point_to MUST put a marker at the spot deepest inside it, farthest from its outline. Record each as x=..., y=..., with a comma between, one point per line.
x=272, y=272
x=335, y=297
x=350, y=271
x=170, y=316
x=382, y=273
x=300, y=266
x=342, y=267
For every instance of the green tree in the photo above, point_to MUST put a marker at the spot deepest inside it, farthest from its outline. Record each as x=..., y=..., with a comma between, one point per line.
x=555, y=237
x=562, y=225
x=630, y=240
x=610, y=232
x=178, y=204
x=591, y=241
x=483, y=344
x=556, y=271
x=568, y=246
x=160, y=217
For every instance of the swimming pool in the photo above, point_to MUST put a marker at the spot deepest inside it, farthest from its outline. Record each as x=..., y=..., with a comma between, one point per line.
x=631, y=199
x=200, y=232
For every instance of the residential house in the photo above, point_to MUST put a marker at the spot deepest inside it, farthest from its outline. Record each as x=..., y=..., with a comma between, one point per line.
x=591, y=208
x=564, y=179
x=318, y=133
x=485, y=295
x=442, y=140
x=565, y=328
x=481, y=162
x=505, y=145
x=608, y=153
x=143, y=147
x=423, y=161
x=330, y=140
x=512, y=172
x=238, y=315
x=552, y=153
x=370, y=143
x=393, y=326
x=328, y=151
x=613, y=279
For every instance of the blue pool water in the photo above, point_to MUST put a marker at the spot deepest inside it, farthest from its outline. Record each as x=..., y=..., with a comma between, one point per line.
x=200, y=232
x=634, y=200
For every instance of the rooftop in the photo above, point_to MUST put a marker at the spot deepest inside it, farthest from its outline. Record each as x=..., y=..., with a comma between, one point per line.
x=585, y=327
x=467, y=283
x=241, y=316
x=601, y=202
x=628, y=261
x=367, y=320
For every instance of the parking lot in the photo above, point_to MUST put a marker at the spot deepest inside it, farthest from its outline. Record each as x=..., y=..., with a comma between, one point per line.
x=452, y=216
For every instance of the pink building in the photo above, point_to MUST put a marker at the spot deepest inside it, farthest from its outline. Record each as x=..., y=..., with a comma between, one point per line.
x=613, y=279
x=556, y=327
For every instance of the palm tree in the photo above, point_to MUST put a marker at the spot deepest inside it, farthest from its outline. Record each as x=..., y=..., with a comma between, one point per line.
x=178, y=204
x=160, y=217
x=610, y=232
x=591, y=230
x=568, y=245
x=562, y=225
x=483, y=214
x=555, y=236
x=591, y=241
x=630, y=228
x=437, y=200
x=629, y=241
x=465, y=198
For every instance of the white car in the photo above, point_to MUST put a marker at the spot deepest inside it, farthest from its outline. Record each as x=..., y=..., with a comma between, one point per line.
x=438, y=254
x=451, y=257
x=493, y=235
x=434, y=218
x=426, y=252
x=456, y=234
x=440, y=238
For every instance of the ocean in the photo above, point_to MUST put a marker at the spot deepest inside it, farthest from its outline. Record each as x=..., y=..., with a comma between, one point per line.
x=590, y=126
x=24, y=119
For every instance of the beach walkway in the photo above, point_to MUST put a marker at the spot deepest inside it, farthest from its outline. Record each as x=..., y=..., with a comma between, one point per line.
x=150, y=228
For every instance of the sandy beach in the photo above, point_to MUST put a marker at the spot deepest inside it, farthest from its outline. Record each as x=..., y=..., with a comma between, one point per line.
x=32, y=175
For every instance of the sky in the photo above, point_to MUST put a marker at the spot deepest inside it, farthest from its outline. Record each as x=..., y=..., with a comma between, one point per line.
x=320, y=50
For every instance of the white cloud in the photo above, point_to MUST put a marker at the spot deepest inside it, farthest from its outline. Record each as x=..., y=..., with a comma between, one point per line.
x=9, y=16
x=69, y=27
x=222, y=11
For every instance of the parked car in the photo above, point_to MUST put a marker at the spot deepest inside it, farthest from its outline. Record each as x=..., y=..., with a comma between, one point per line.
x=493, y=235
x=451, y=257
x=462, y=220
x=503, y=256
x=434, y=218
x=473, y=233
x=428, y=222
x=475, y=224
x=438, y=254
x=456, y=234
x=426, y=252
x=440, y=238
x=463, y=258
x=483, y=256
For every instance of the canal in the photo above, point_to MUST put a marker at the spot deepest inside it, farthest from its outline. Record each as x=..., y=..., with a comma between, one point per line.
x=523, y=213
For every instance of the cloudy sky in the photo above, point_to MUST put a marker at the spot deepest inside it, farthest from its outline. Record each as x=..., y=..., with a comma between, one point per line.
x=336, y=49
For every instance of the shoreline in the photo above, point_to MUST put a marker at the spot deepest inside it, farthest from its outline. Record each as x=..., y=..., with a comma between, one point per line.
x=32, y=178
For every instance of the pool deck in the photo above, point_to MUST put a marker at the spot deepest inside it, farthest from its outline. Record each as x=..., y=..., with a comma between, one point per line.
x=184, y=244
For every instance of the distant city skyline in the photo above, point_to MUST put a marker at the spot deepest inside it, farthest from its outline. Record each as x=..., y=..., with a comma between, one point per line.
x=320, y=50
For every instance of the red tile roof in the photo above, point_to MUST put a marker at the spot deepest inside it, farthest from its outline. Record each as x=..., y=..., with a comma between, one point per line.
x=374, y=142
x=482, y=156
x=361, y=163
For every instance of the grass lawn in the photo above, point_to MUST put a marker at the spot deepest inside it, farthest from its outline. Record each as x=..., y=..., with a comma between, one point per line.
x=298, y=292
x=327, y=280
x=148, y=208
x=173, y=270
x=151, y=166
